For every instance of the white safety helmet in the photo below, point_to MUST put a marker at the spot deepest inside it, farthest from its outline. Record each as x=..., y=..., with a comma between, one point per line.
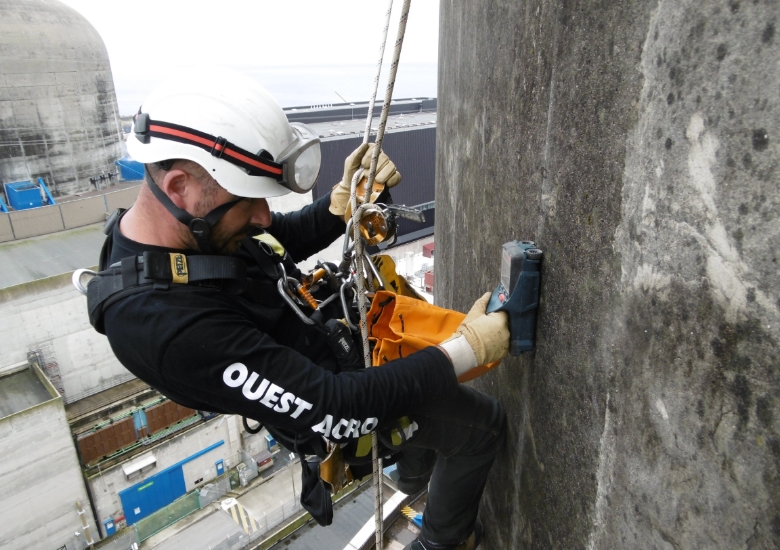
x=232, y=127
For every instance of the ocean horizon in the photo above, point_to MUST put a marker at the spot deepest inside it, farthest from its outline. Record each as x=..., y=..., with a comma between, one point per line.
x=304, y=86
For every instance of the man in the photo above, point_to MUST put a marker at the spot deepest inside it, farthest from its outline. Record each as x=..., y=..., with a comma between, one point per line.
x=215, y=146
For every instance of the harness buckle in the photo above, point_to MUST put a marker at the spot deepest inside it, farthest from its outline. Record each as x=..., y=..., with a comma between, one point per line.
x=219, y=147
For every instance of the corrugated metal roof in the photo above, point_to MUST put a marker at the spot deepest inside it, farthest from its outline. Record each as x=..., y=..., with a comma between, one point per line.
x=357, y=110
x=413, y=150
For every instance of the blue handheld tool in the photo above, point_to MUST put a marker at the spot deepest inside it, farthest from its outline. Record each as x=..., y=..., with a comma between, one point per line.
x=518, y=292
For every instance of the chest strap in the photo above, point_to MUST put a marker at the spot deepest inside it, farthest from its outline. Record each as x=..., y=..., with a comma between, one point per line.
x=160, y=270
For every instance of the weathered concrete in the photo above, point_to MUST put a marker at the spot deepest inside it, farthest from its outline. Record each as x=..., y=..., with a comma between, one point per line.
x=45, y=256
x=21, y=390
x=6, y=232
x=83, y=212
x=40, y=479
x=58, y=112
x=121, y=199
x=69, y=213
x=36, y=221
x=637, y=143
x=51, y=315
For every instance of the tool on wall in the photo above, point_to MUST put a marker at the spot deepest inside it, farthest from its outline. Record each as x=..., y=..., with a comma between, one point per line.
x=518, y=292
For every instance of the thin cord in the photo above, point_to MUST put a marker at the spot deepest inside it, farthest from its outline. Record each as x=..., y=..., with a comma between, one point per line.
x=359, y=244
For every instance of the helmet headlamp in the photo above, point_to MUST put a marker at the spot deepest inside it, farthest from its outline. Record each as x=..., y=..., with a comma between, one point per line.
x=297, y=168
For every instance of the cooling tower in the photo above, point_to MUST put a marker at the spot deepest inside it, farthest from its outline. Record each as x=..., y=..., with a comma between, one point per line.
x=58, y=109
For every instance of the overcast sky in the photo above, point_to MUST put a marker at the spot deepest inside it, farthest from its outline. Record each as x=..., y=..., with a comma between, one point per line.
x=147, y=38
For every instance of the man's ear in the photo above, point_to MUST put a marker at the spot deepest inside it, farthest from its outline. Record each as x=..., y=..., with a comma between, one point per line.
x=180, y=188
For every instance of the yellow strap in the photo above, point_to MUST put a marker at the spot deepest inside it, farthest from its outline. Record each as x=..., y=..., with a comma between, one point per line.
x=363, y=446
x=391, y=279
x=395, y=437
x=271, y=241
x=364, y=443
x=179, y=268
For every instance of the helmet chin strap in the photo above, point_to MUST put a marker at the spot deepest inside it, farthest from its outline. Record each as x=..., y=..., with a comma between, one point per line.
x=199, y=227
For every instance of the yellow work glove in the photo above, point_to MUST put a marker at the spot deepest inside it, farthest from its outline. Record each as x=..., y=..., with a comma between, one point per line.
x=477, y=310
x=480, y=339
x=386, y=176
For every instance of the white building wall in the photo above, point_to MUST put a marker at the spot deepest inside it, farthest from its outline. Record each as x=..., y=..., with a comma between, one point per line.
x=40, y=480
x=203, y=469
x=106, y=485
x=52, y=313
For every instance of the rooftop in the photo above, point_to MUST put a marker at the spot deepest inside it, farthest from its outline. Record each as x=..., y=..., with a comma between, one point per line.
x=349, y=119
x=21, y=390
x=355, y=127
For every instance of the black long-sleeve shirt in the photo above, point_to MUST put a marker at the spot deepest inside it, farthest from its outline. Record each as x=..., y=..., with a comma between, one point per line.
x=211, y=350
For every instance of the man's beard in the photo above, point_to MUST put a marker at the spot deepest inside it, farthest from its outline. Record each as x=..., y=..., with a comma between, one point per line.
x=227, y=244
x=220, y=242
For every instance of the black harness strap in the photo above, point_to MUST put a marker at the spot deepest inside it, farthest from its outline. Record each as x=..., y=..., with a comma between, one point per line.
x=153, y=270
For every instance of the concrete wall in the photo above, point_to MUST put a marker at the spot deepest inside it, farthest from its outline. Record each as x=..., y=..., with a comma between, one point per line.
x=58, y=110
x=106, y=486
x=637, y=143
x=121, y=199
x=44, y=220
x=36, y=221
x=40, y=480
x=51, y=314
x=6, y=233
x=83, y=212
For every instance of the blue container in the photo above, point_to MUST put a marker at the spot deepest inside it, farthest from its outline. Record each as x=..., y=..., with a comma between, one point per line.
x=270, y=442
x=130, y=170
x=23, y=195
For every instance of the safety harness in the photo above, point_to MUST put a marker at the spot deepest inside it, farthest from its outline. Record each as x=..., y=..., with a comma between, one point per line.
x=156, y=270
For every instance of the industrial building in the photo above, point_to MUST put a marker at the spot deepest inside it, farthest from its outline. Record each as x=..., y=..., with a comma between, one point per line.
x=58, y=110
x=636, y=143
x=44, y=502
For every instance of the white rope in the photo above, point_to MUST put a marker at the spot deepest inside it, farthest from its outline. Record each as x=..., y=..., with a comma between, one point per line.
x=399, y=41
x=376, y=459
x=378, y=71
x=359, y=244
x=358, y=240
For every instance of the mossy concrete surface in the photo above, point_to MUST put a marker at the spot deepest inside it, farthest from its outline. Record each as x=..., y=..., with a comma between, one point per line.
x=637, y=143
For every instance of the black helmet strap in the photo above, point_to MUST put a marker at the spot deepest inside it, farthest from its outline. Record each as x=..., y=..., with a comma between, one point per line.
x=199, y=227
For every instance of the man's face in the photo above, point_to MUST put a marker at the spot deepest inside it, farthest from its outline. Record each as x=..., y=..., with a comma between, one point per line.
x=227, y=233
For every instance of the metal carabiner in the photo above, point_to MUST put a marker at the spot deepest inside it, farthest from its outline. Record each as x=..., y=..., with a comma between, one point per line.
x=344, y=306
x=280, y=285
x=347, y=250
x=76, y=279
x=367, y=259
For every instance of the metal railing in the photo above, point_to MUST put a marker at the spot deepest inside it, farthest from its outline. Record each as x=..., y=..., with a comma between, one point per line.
x=201, y=498
x=270, y=521
x=162, y=518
